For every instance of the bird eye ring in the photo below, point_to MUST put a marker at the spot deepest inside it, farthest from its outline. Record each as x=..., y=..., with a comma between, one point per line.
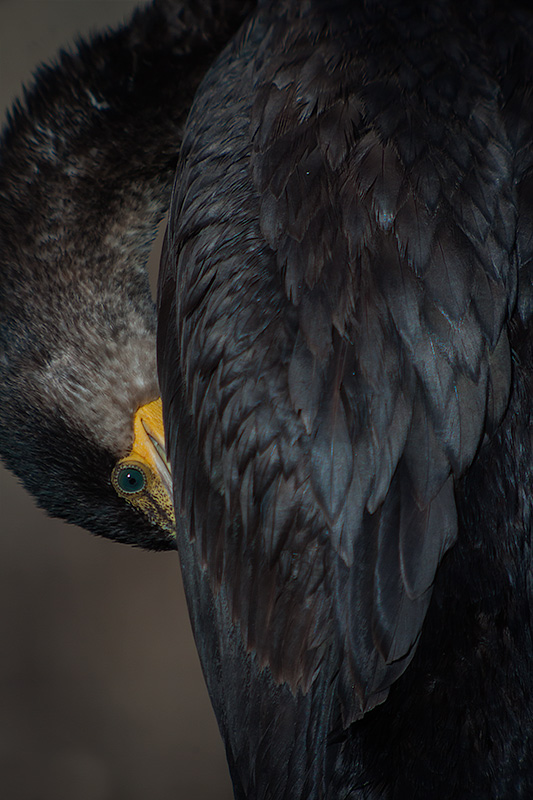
x=129, y=479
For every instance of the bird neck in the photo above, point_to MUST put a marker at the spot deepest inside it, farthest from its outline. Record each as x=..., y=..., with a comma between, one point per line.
x=87, y=161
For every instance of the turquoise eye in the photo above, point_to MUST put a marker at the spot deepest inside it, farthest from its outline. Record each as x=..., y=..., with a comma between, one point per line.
x=130, y=480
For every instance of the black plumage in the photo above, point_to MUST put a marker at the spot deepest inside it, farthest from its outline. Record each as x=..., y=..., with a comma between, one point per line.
x=343, y=365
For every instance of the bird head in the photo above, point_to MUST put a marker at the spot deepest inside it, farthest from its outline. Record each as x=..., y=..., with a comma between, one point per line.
x=87, y=163
x=81, y=421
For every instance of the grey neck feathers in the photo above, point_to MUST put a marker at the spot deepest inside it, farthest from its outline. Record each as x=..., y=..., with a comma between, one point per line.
x=87, y=161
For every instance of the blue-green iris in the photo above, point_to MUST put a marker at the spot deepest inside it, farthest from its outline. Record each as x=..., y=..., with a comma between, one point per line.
x=130, y=480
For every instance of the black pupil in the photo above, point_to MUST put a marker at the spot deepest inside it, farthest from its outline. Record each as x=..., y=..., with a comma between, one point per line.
x=131, y=480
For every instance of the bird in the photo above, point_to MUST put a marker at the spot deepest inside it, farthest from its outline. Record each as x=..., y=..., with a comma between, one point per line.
x=344, y=361
x=344, y=356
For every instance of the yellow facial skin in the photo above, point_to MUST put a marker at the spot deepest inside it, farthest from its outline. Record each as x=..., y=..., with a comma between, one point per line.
x=143, y=477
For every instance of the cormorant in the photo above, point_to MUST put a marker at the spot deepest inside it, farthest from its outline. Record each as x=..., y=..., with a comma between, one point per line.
x=345, y=364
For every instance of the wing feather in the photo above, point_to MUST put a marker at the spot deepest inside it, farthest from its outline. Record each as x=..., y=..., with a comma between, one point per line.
x=343, y=286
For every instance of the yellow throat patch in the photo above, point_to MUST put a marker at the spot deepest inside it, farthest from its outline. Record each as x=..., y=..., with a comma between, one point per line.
x=143, y=477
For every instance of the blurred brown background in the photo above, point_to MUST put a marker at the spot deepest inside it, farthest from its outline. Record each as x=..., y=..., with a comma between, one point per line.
x=101, y=695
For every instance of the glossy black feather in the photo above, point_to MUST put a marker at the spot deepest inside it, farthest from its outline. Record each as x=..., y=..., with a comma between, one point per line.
x=340, y=282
